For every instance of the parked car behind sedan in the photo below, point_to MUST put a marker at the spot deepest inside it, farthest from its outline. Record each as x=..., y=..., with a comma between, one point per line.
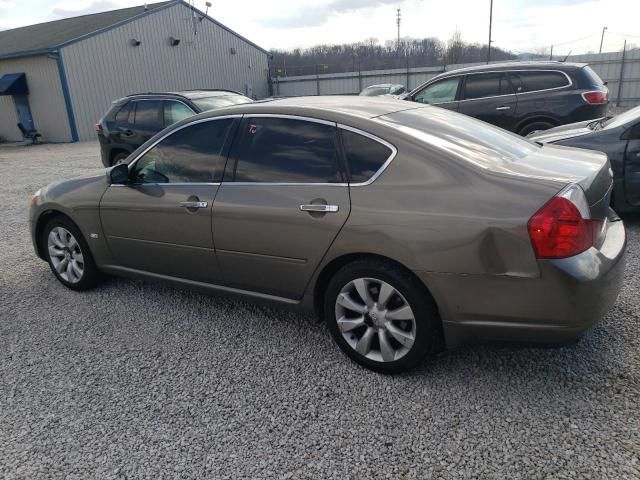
x=520, y=97
x=133, y=120
x=619, y=138
x=383, y=89
x=407, y=228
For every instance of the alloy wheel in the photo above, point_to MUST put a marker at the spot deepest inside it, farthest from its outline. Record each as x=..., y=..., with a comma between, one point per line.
x=65, y=254
x=375, y=319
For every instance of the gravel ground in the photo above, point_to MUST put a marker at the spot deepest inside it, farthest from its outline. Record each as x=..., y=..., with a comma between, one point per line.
x=134, y=380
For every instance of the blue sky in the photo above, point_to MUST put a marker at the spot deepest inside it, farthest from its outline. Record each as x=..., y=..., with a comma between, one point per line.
x=519, y=25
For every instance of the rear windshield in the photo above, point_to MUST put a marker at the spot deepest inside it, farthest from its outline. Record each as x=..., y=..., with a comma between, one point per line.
x=594, y=79
x=211, y=103
x=473, y=140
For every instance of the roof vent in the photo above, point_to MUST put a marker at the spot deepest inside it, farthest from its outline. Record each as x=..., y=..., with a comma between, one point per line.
x=134, y=42
x=174, y=41
x=232, y=51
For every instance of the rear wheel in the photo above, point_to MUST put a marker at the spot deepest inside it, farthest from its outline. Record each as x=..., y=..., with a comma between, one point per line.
x=381, y=317
x=535, y=126
x=68, y=255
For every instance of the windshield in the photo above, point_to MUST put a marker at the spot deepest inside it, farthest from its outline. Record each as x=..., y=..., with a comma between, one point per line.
x=211, y=103
x=374, y=91
x=622, y=118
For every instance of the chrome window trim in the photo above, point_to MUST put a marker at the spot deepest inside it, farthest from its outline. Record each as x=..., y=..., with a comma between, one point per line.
x=394, y=152
x=168, y=134
x=291, y=117
x=570, y=84
x=167, y=184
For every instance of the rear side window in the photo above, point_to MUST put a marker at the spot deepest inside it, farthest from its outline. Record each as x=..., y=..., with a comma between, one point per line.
x=593, y=78
x=537, y=80
x=148, y=114
x=365, y=156
x=285, y=150
x=192, y=154
x=123, y=113
x=486, y=85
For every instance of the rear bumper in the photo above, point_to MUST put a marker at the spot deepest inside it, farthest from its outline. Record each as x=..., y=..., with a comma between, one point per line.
x=554, y=308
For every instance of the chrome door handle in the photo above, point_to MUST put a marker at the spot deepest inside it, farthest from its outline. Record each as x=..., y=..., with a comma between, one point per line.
x=194, y=204
x=319, y=207
x=503, y=107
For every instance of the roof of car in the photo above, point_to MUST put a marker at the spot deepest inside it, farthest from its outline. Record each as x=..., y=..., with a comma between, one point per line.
x=384, y=85
x=535, y=65
x=325, y=107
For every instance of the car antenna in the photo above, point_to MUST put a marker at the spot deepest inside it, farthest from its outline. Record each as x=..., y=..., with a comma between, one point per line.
x=565, y=58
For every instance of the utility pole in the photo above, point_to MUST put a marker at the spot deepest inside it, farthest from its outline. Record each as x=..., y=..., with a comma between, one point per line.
x=551, y=55
x=490, y=21
x=398, y=17
x=602, y=39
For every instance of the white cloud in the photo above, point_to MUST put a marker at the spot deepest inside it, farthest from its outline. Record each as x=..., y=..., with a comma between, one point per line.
x=6, y=4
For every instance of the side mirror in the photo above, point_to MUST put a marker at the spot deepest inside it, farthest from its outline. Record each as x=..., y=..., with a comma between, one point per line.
x=119, y=175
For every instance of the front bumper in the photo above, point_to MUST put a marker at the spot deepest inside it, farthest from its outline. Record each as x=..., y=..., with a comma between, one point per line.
x=554, y=308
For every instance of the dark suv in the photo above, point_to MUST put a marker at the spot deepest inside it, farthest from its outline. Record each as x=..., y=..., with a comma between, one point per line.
x=521, y=97
x=133, y=120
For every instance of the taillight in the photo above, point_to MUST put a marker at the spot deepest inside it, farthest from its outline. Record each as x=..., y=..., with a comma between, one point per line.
x=596, y=97
x=98, y=127
x=563, y=227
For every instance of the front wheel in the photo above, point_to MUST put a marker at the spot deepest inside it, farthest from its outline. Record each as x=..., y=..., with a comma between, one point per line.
x=68, y=255
x=381, y=316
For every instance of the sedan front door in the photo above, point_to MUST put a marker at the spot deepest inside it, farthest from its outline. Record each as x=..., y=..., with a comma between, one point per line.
x=282, y=203
x=160, y=223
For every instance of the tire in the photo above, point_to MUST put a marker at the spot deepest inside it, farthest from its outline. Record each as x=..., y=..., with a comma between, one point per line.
x=119, y=158
x=534, y=126
x=418, y=328
x=74, y=266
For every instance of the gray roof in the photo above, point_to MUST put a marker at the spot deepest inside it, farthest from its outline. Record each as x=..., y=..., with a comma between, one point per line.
x=47, y=36
x=44, y=37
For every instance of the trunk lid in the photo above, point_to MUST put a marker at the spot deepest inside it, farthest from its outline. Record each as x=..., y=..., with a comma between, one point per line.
x=587, y=168
x=562, y=132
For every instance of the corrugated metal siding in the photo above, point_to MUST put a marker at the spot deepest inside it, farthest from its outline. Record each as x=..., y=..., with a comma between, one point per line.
x=105, y=67
x=45, y=99
x=606, y=65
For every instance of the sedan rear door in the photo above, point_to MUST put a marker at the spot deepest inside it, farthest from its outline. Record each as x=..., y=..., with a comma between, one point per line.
x=281, y=204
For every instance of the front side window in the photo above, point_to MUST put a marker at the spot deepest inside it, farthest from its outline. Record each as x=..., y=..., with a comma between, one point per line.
x=285, y=150
x=397, y=90
x=191, y=155
x=365, y=156
x=533, y=81
x=175, y=111
x=440, y=92
x=147, y=114
x=483, y=85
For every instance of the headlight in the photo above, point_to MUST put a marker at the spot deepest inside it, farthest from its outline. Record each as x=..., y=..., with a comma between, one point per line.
x=34, y=199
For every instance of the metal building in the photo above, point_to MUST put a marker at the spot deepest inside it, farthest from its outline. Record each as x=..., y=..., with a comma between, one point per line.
x=59, y=77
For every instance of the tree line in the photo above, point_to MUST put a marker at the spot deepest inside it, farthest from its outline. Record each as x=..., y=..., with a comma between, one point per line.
x=370, y=54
